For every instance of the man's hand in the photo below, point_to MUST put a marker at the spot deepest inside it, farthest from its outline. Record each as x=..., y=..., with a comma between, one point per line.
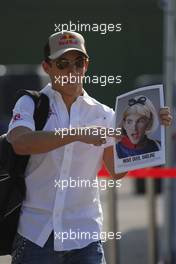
x=92, y=135
x=165, y=116
x=96, y=135
x=27, y=142
x=108, y=158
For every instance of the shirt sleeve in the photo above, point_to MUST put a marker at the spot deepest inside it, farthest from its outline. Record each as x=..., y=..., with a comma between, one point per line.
x=110, y=124
x=23, y=114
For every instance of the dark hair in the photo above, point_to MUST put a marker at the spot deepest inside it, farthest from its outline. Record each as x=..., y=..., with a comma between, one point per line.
x=47, y=52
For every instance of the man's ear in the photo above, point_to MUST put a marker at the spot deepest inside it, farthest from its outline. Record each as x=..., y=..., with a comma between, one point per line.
x=86, y=65
x=46, y=66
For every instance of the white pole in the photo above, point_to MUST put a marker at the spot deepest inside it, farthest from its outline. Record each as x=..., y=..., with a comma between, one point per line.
x=112, y=246
x=169, y=42
x=152, y=229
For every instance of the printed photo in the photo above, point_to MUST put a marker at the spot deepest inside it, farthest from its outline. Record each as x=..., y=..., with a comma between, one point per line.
x=141, y=143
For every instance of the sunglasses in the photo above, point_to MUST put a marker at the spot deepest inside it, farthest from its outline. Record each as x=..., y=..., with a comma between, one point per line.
x=64, y=63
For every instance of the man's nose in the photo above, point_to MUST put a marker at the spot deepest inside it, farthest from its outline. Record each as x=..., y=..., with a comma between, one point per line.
x=134, y=125
x=72, y=68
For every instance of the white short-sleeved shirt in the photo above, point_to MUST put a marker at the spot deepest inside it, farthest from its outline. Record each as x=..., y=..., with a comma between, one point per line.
x=73, y=210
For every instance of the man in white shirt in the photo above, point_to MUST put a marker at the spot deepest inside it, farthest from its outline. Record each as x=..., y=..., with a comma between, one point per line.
x=61, y=217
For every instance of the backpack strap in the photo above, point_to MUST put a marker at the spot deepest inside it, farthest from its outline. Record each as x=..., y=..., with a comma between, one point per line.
x=14, y=165
x=41, y=102
x=18, y=163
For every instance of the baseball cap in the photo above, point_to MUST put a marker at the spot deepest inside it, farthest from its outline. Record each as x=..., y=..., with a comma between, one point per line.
x=64, y=41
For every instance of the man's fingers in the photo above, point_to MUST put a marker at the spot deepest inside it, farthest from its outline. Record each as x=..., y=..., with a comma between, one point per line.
x=165, y=110
x=100, y=142
x=166, y=123
x=103, y=132
x=111, y=132
x=103, y=141
x=165, y=116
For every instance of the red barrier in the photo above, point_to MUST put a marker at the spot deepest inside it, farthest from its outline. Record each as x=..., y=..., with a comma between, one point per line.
x=156, y=173
x=103, y=172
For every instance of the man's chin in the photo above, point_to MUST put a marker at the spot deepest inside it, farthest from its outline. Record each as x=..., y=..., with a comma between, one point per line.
x=71, y=85
x=72, y=90
x=68, y=87
x=135, y=142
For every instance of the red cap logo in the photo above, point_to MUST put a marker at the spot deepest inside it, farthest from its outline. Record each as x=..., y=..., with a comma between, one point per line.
x=17, y=117
x=68, y=39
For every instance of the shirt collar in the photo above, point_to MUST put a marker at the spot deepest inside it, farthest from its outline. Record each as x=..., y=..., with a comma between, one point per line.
x=48, y=90
x=51, y=93
x=86, y=98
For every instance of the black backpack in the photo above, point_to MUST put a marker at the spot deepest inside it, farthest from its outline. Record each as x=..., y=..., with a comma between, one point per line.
x=12, y=168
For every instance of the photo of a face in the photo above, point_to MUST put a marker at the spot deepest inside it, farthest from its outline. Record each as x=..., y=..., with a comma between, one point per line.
x=141, y=142
x=135, y=126
x=139, y=119
x=138, y=122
